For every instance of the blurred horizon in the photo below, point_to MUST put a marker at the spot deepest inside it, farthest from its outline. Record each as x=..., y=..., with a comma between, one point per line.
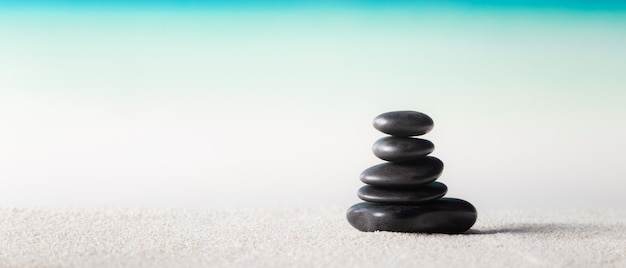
x=376, y=4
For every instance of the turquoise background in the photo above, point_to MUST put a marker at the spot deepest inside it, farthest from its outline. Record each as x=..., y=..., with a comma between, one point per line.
x=263, y=104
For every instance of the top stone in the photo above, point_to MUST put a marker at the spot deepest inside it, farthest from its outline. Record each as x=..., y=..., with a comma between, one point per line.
x=403, y=123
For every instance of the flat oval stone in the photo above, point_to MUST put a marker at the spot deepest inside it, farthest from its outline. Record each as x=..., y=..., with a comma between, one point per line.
x=446, y=215
x=397, y=149
x=402, y=175
x=403, y=123
x=431, y=191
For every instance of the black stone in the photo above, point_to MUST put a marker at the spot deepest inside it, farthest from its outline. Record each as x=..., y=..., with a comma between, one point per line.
x=431, y=191
x=446, y=215
x=402, y=175
x=404, y=123
x=396, y=149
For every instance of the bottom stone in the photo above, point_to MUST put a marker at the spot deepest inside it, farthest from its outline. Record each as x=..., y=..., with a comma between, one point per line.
x=445, y=215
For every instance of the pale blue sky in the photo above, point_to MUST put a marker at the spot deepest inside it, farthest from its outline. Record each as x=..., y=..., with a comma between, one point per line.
x=258, y=107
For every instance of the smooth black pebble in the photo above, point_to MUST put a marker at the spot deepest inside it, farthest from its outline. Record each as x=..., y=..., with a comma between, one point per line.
x=401, y=175
x=446, y=215
x=431, y=191
x=397, y=149
x=403, y=123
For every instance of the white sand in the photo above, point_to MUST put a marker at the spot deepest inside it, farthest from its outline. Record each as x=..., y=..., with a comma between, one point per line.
x=301, y=237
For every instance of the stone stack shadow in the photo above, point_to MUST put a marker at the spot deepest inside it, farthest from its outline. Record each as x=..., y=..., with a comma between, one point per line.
x=402, y=195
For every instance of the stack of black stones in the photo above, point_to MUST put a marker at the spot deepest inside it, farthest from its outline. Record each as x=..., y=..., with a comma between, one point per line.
x=402, y=195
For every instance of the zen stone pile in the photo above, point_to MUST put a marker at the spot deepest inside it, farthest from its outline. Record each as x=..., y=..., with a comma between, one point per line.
x=403, y=195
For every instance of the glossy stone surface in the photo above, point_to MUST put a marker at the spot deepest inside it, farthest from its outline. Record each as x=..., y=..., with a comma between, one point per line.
x=446, y=215
x=403, y=123
x=403, y=175
x=431, y=191
x=397, y=149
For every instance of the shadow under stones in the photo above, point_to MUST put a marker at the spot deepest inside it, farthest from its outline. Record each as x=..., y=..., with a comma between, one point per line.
x=537, y=228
